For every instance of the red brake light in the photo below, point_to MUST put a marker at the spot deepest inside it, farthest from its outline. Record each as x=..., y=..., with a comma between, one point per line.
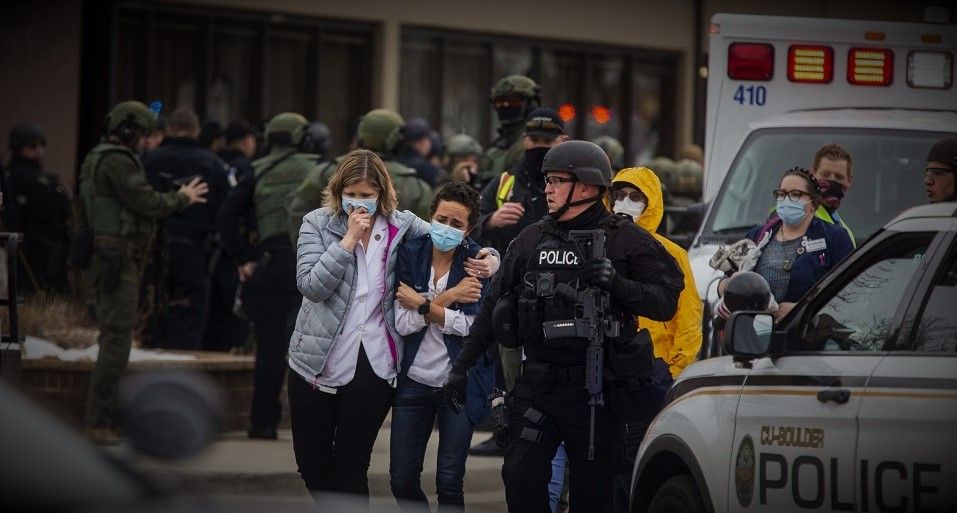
x=750, y=61
x=812, y=64
x=870, y=66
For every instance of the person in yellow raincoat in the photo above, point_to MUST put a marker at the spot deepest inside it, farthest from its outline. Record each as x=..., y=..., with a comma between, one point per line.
x=636, y=191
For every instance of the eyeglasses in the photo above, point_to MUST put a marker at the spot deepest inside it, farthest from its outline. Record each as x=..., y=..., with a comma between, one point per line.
x=555, y=181
x=633, y=195
x=936, y=172
x=793, y=195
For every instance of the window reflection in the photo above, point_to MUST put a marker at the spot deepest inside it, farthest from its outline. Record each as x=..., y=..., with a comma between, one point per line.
x=859, y=316
x=936, y=329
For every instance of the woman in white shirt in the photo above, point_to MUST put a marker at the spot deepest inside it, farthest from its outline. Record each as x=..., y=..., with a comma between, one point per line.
x=345, y=351
x=434, y=307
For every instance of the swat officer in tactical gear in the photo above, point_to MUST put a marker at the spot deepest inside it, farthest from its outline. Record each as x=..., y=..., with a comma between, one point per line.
x=188, y=238
x=614, y=150
x=116, y=218
x=380, y=130
x=549, y=270
x=514, y=97
x=38, y=207
x=268, y=268
x=461, y=159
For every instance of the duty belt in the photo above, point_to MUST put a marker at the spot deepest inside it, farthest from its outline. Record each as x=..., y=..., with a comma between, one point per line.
x=561, y=373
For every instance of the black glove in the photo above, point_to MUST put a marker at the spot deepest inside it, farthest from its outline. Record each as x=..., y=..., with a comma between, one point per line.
x=600, y=273
x=454, y=388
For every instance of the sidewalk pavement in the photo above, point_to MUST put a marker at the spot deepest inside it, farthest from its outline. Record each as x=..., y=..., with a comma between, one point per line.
x=235, y=466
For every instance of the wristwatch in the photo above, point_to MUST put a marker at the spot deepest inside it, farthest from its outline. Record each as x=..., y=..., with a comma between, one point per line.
x=424, y=307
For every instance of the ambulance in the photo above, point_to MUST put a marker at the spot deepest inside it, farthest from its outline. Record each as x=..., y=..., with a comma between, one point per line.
x=779, y=88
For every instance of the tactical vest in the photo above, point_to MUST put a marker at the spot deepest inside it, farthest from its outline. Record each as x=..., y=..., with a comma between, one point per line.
x=277, y=177
x=104, y=213
x=506, y=182
x=555, y=259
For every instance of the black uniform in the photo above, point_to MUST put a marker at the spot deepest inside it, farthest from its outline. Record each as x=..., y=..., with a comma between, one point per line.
x=529, y=190
x=187, y=239
x=225, y=330
x=549, y=401
x=423, y=168
x=36, y=205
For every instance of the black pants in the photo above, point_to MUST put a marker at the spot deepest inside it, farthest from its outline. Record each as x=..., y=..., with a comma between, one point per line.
x=333, y=434
x=271, y=301
x=224, y=330
x=183, y=323
x=532, y=445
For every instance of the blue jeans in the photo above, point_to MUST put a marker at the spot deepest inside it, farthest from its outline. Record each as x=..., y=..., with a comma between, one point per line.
x=557, y=484
x=414, y=414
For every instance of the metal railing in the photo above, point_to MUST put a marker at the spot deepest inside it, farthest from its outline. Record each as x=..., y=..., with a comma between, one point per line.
x=10, y=341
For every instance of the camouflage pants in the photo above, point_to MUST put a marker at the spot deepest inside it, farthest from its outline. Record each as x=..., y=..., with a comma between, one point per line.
x=115, y=316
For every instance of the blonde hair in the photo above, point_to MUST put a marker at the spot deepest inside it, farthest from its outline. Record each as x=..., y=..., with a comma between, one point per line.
x=361, y=166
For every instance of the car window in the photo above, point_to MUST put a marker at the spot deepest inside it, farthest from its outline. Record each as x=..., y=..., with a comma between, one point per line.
x=859, y=316
x=936, y=329
x=887, y=166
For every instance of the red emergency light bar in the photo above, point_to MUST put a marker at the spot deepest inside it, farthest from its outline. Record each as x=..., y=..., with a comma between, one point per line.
x=750, y=61
x=870, y=66
x=810, y=64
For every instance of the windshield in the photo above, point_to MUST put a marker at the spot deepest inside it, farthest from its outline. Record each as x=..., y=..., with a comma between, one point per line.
x=887, y=176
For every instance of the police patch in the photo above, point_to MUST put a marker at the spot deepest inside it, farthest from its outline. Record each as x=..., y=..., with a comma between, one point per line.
x=558, y=257
x=744, y=472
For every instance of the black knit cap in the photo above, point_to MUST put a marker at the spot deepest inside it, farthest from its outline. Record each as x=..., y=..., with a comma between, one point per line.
x=945, y=152
x=545, y=122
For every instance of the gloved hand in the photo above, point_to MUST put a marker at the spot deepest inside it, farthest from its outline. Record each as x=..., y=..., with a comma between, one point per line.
x=454, y=387
x=600, y=273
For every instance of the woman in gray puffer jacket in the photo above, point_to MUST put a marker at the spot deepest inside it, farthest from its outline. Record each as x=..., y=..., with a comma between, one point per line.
x=344, y=351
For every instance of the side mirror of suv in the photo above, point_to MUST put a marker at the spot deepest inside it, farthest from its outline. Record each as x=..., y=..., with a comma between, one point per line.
x=748, y=335
x=684, y=222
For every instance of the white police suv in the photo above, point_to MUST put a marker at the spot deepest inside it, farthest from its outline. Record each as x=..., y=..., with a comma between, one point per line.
x=848, y=404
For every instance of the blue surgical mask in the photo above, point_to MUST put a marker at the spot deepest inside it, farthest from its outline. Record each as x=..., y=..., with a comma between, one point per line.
x=350, y=204
x=444, y=237
x=791, y=211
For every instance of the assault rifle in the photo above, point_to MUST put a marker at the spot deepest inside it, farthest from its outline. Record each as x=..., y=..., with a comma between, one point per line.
x=592, y=321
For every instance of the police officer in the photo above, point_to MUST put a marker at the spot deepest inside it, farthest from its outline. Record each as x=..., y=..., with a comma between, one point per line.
x=541, y=279
x=614, y=150
x=188, y=238
x=318, y=140
x=116, y=218
x=513, y=97
x=37, y=206
x=461, y=159
x=225, y=330
x=268, y=268
x=940, y=175
x=380, y=130
x=240, y=149
x=415, y=150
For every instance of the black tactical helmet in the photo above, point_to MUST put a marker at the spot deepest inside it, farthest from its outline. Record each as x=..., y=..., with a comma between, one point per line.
x=317, y=139
x=746, y=290
x=25, y=134
x=505, y=321
x=585, y=160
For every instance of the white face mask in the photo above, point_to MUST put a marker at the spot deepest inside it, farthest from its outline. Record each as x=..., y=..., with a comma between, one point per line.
x=632, y=208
